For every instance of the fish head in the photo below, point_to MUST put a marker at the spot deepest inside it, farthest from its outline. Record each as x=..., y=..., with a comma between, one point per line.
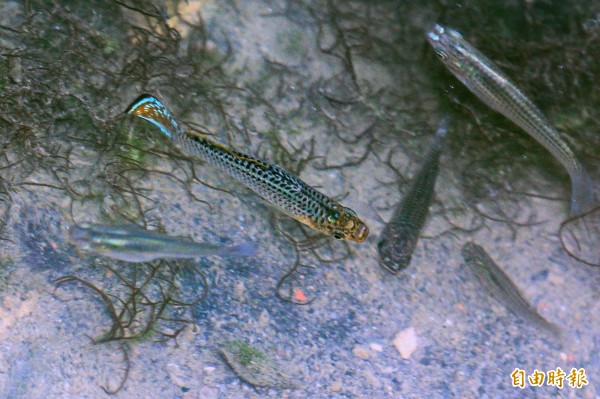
x=450, y=47
x=343, y=224
x=395, y=255
x=474, y=255
x=91, y=237
x=81, y=235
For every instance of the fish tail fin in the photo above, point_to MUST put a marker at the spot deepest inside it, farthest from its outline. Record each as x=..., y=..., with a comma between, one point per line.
x=557, y=333
x=582, y=193
x=242, y=250
x=151, y=109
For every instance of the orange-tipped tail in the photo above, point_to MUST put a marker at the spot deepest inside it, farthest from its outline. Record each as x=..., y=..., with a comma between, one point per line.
x=151, y=109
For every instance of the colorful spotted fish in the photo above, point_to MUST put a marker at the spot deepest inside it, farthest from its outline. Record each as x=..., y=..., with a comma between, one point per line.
x=272, y=183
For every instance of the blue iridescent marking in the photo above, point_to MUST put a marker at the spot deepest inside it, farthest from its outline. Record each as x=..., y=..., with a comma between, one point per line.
x=151, y=109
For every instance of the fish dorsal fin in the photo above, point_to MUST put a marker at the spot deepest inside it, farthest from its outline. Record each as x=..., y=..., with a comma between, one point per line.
x=273, y=172
x=197, y=136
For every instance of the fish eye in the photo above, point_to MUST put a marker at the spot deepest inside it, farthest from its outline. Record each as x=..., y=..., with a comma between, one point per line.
x=441, y=55
x=333, y=216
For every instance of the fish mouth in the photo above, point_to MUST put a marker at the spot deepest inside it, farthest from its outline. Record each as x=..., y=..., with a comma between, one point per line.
x=391, y=266
x=78, y=235
x=435, y=32
x=360, y=234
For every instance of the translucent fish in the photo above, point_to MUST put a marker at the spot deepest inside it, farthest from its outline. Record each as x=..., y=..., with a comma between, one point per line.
x=135, y=244
x=400, y=236
x=496, y=90
x=499, y=284
x=277, y=186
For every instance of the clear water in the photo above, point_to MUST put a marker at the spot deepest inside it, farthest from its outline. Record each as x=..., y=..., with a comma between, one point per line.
x=346, y=94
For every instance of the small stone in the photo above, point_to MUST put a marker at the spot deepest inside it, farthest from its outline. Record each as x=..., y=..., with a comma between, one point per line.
x=460, y=307
x=336, y=387
x=239, y=290
x=168, y=331
x=556, y=279
x=264, y=319
x=176, y=375
x=187, y=335
x=376, y=347
x=257, y=367
x=209, y=369
x=406, y=342
x=134, y=351
x=361, y=352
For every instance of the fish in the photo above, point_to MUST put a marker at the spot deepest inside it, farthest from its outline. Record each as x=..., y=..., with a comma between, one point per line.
x=499, y=284
x=272, y=183
x=131, y=243
x=496, y=90
x=400, y=236
x=256, y=367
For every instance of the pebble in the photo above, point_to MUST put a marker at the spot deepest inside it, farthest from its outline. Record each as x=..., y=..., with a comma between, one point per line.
x=361, y=352
x=376, y=347
x=177, y=375
x=406, y=342
x=336, y=387
x=556, y=279
x=239, y=291
x=257, y=367
x=264, y=319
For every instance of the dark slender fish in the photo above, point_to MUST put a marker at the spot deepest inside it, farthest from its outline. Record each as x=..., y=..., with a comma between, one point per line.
x=496, y=90
x=400, y=236
x=275, y=185
x=135, y=244
x=497, y=282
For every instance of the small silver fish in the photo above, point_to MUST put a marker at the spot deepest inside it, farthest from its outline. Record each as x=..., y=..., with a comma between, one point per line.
x=496, y=90
x=497, y=282
x=400, y=236
x=135, y=244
